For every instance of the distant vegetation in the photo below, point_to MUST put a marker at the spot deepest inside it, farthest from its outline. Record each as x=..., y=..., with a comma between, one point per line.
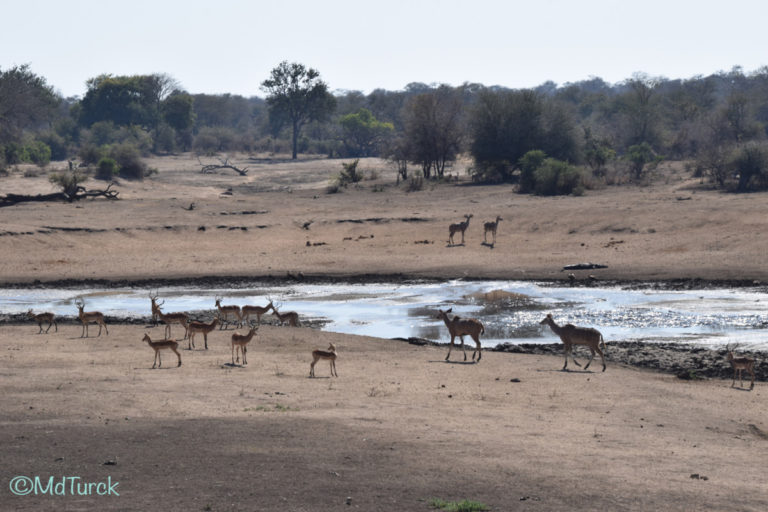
x=552, y=139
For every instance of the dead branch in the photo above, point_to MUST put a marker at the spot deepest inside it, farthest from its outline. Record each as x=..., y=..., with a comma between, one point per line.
x=208, y=168
x=80, y=193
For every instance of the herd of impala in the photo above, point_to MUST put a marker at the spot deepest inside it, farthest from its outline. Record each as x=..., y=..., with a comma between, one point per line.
x=569, y=334
x=459, y=327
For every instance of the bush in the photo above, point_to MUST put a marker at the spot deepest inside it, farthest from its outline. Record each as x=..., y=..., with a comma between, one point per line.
x=15, y=153
x=556, y=177
x=91, y=154
x=108, y=169
x=39, y=153
x=750, y=163
x=528, y=163
x=128, y=159
x=349, y=174
x=69, y=182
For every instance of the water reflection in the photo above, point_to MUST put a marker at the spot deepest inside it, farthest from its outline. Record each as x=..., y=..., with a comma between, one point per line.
x=510, y=310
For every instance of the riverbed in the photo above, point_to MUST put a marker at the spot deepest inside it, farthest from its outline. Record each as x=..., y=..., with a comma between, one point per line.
x=510, y=310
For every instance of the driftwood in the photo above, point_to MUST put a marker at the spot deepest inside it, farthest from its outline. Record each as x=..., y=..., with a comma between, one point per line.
x=224, y=164
x=80, y=193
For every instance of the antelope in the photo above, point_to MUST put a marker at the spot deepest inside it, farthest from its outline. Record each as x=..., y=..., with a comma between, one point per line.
x=162, y=345
x=492, y=227
x=459, y=226
x=247, y=311
x=228, y=311
x=571, y=335
x=173, y=318
x=291, y=317
x=739, y=364
x=155, y=307
x=461, y=327
x=44, y=317
x=196, y=327
x=91, y=317
x=329, y=354
x=241, y=340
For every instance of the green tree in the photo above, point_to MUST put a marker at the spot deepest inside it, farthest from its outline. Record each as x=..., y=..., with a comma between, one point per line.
x=363, y=134
x=296, y=96
x=26, y=102
x=640, y=155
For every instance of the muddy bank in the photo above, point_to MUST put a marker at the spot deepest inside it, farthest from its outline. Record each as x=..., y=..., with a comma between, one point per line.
x=685, y=361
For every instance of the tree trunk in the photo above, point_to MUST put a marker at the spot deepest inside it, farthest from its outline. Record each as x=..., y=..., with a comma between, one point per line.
x=295, y=140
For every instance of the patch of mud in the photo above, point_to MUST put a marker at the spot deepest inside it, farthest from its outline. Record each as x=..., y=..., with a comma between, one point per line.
x=685, y=361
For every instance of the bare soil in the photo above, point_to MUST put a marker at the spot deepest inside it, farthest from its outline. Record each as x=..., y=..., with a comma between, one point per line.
x=399, y=426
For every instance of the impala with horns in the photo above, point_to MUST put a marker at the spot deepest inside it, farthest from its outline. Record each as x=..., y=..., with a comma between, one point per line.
x=247, y=311
x=90, y=317
x=291, y=317
x=227, y=312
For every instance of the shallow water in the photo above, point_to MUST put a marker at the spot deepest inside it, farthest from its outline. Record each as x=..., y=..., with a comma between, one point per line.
x=708, y=317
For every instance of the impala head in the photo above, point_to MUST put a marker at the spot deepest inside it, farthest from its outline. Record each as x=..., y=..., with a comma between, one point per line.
x=146, y=338
x=547, y=319
x=218, y=301
x=468, y=216
x=30, y=314
x=442, y=315
x=332, y=348
x=80, y=303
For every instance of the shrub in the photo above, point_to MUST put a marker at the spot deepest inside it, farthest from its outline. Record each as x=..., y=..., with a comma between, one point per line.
x=528, y=163
x=69, y=181
x=108, y=169
x=750, y=163
x=90, y=154
x=129, y=161
x=349, y=174
x=39, y=153
x=555, y=177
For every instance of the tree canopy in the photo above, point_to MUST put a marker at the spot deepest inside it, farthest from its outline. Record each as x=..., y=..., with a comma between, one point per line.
x=296, y=95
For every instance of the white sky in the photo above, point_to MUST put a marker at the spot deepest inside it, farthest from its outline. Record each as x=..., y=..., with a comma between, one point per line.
x=225, y=46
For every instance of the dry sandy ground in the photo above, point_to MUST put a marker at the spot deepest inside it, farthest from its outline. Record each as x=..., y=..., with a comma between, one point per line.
x=399, y=426
x=671, y=229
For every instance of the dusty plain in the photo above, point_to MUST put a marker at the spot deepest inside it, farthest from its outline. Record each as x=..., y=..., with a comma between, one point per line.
x=399, y=426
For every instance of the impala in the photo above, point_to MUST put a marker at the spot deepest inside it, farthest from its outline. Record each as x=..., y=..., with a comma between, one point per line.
x=155, y=307
x=247, y=311
x=173, y=318
x=329, y=355
x=240, y=341
x=91, y=317
x=462, y=327
x=225, y=312
x=459, y=226
x=162, y=345
x=739, y=364
x=44, y=317
x=291, y=317
x=200, y=327
x=571, y=335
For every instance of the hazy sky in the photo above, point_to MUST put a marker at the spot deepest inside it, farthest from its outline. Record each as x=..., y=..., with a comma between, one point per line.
x=221, y=46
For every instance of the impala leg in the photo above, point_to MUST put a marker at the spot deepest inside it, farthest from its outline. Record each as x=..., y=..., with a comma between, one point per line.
x=463, y=348
x=154, y=365
x=205, y=338
x=592, y=356
x=450, y=347
x=178, y=355
x=105, y=328
x=245, y=359
x=312, y=368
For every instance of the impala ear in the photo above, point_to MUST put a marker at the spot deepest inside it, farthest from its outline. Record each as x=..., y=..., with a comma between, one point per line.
x=449, y=310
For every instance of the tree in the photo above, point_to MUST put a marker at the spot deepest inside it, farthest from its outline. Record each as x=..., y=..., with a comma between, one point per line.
x=296, y=96
x=434, y=128
x=26, y=102
x=362, y=133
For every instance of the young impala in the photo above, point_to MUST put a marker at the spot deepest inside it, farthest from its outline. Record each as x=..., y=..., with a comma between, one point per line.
x=195, y=327
x=162, y=345
x=40, y=318
x=458, y=227
x=329, y=355
x=241, y=341
x=739, y=364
